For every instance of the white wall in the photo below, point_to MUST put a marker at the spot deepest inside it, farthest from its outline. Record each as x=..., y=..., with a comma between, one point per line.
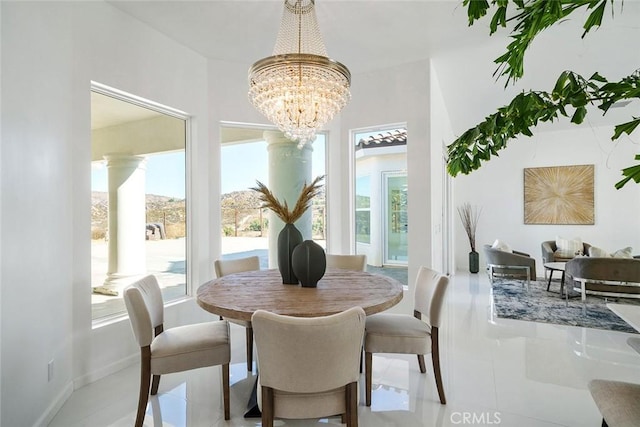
x=441, y=136
x=1, y=204
x=497, y=187
x=1, y=236
x=55, y=50
x=37, y=215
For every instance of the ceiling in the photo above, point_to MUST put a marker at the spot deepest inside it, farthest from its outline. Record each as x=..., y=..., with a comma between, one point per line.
x=370, y=35
x=108, y=111
x=364, y=35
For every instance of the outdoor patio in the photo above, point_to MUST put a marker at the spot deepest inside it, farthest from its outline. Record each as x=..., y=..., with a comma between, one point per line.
x=165, y=259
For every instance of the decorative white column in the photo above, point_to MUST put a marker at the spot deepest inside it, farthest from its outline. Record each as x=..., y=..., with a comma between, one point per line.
x=289, y=169
x=127, y=220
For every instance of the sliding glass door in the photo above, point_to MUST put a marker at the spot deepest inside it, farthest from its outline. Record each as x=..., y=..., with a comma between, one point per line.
x=396, y=219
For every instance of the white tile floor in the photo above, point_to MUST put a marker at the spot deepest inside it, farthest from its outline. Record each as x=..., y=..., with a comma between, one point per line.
x=496, y=372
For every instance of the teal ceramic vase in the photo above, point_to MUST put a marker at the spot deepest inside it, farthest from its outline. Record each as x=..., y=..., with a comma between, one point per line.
x=474, y=262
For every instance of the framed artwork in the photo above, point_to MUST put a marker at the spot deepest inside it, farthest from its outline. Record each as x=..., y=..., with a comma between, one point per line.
x=559, y=195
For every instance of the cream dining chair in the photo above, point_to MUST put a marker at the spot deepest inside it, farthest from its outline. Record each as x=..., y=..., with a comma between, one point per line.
x=347, y=262
x=617, y=402
x=173, y=350
x=405, y=334
x=231, y=266
x=308, y=365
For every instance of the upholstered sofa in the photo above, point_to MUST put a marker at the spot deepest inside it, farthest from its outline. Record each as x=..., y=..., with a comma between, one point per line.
x=617, y=277
x=549, y=252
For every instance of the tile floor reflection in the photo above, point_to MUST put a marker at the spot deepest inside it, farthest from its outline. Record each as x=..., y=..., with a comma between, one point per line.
x=495, y=372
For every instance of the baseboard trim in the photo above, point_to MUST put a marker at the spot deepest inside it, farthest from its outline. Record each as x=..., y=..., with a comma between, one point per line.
x=105, y=371
x=55, y=405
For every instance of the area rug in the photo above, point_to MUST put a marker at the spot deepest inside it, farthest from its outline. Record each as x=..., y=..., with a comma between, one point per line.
x=513, y=301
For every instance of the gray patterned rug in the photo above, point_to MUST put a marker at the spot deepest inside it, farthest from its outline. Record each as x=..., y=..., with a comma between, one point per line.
x=512, y=301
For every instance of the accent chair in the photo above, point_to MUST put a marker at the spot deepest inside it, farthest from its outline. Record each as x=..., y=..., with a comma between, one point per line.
x=498, y=261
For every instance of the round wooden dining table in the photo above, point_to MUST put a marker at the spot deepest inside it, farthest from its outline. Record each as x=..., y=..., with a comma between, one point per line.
x=238, y=296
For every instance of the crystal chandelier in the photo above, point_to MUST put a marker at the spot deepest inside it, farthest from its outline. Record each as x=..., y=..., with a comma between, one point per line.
x=298, y=88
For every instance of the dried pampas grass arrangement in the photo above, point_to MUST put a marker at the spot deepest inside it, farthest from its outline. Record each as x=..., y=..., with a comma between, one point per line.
x=469, y=217
x=309, y=191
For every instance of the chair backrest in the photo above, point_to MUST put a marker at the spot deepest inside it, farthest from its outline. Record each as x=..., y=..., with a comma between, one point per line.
x=230, y=266
x=431, y=287
x=492, y=255
x=144, y=304
x=308, y=355
x=347, y=262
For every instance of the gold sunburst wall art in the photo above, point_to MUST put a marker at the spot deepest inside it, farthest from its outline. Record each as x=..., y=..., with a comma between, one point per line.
x=559, y=195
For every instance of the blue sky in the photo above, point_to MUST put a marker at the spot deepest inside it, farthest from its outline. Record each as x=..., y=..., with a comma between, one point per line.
x=242, y=165
x=165, y=175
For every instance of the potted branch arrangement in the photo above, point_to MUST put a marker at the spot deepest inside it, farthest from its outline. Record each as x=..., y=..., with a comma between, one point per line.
x=469, y=217
x=290, y=237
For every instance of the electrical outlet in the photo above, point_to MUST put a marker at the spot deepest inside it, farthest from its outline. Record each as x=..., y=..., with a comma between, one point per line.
x=50, y=370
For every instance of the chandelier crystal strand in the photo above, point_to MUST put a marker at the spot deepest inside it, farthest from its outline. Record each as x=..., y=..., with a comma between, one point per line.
x=299, y=88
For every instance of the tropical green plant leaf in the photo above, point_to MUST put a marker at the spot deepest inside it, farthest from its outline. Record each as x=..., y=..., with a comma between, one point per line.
x=627, y=128
x=630, y=173
x=595, y=18
x=523, y=113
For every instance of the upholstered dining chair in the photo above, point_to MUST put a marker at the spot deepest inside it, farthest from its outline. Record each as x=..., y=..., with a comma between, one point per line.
x=405, y=334
x=231, y=266
x=173, y=350
x=347, y=262
x=308, y=365
x=617, y=402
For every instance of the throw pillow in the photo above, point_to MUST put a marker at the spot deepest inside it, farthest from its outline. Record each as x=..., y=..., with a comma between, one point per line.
x=568, y=248
x=598, y=252
x=623, y=253
x=501, y=246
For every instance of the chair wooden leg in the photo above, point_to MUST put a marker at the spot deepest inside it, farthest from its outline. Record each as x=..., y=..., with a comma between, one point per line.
x=145, y=382
x=423, y=367
x=155, y=383
x=225, y=391
x=249, y=338
x=267, y=407
x=368, y=361
x=435, y=358
x=352, y=404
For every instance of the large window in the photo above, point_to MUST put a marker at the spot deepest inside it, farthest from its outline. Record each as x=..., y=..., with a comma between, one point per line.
x=245, y=225
x=138, y=211
x=363, y=209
